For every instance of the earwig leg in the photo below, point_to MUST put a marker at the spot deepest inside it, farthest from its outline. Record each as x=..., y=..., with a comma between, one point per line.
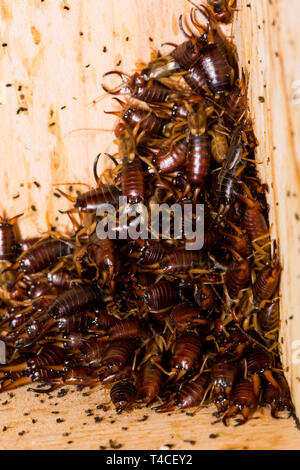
x=256, y=384
x=232, y=411
x=8, y=385
x=269, y=376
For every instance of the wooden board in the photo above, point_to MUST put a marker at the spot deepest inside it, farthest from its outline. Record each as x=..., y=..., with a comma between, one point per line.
x=50, y=74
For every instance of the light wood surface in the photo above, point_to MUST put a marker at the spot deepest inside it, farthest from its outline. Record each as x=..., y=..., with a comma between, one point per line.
x=54, y=61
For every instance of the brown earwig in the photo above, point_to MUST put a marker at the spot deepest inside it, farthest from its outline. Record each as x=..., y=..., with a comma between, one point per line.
x=260, y=362
x=170, y=159
x=133, y=116
x=160, y=296
x=199, y=154
x=242, y=400
x=237, y=275
x=140, y=88
x=184, y=261
x=219, y=142
x=190, y=394
x=133, y=185
x=42, y=256
x=7, y=238
x=222, y=9
x=152, y=252
x=116, y=356
x=267, y=280
x=204, y=296
x=90, y=201
x=149, y=376
x=122, y=394
x=186, y=354
x=188, y=316
x=279, y=400
x=223, y=375
x=48, y=356
x=268, y=317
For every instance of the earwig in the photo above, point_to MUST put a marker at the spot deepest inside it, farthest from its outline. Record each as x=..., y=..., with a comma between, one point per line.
x=187, y=316
x=238, y=240
x=7, y=238
x=196, y=79
x=279, y=400
x=102, y=252
x=268, y=317
x=133, y=116
x=222, y=10
x=116, y=356
x=159, y=296
x=47, y=357
x=267, y=280
x=242, y=400
x=190, y=394
x=237, y=275
x=122, y=394
x=186, y=354
x=133, y=184
x=126, y=330
x=79, y=322
x=73, y=300
x=236, y=101
x=43, y=255
x=36, y=375
x=26, y=244
x=219, y=143
x=149, y=376
x=204, y=296
x=223, y=375
x=152, y=252
x=61, y=279
x=254, y=221
x=139, y=88
x=184, y=261
x=90, y=201
x=198, y=162
x=260, y=362
x=170, y=159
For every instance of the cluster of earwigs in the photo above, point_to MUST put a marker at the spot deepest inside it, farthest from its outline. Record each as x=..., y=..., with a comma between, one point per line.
x=155, y=323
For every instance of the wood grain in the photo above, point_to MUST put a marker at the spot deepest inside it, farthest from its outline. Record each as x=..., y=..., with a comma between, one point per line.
x=53, y=65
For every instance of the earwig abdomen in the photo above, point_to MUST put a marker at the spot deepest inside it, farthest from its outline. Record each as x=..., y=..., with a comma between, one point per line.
x=195, y=78
x=183, y=261
x=152, y=252
x=258, y=360
x=102, y=251
x=7, y=241
x=254, y=223
x=216, y=68
x=187, y=352
x=198, y=162
x=191, y=393
x=266, y=283
x=49, y=356
x=44, y=255
x=268, y=317
x=73, y=300
x=79, y=322
x=160, y=295
x=126, y=329
x=121, y=394
x=148, y=382
x=237, y=276
x=204, y=296
x=133, y=184
x=186, y=54
x=91, y=200
x=117, y=355
x=146, y=121
x=186, y=315
x=170, y=159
